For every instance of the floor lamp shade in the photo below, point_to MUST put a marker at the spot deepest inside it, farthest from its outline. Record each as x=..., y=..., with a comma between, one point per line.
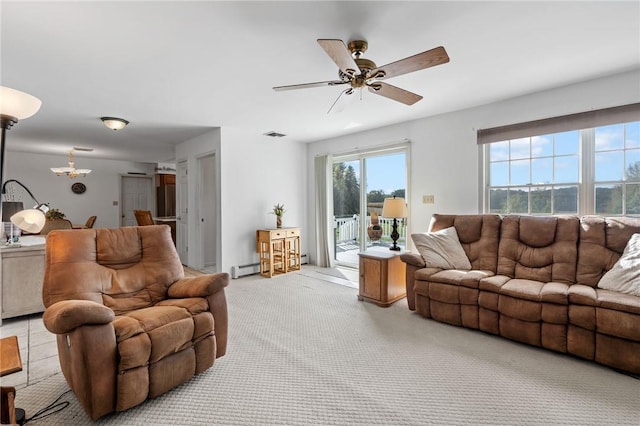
x=17, y=104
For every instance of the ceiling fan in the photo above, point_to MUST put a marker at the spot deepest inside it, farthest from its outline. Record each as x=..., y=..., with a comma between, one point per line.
x=359, y=72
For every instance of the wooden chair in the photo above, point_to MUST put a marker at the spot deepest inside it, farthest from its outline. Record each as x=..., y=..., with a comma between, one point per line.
x=143, y=217
x=90, y=222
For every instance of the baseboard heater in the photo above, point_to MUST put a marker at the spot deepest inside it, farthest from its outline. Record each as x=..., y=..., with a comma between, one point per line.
x=254, y=268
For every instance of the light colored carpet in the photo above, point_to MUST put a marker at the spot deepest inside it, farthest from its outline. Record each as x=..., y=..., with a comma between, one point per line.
x=305, y=351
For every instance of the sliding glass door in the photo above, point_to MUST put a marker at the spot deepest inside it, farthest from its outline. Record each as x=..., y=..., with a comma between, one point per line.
x=361, y=182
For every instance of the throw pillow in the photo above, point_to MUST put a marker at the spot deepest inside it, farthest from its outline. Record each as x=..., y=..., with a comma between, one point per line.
x=625, y=274
x=441, y=249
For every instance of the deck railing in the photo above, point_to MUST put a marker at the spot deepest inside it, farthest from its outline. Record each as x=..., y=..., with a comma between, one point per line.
x=348, y=228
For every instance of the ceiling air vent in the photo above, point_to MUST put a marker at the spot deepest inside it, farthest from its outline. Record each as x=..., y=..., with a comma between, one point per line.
x=273, y=134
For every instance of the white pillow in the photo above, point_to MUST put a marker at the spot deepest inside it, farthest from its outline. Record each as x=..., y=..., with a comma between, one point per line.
x=625, y=274
x=441, y=249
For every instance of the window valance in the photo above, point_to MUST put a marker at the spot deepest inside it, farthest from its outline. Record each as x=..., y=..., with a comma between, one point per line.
x=582, y=120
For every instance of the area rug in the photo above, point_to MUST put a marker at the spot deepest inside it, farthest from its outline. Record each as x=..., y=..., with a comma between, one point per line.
x=303, y=351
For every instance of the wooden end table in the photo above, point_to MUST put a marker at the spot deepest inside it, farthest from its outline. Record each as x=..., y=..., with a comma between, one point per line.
x=382, y=277
x=10, y=362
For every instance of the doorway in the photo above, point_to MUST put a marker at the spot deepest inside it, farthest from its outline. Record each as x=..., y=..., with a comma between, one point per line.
x=182, y=219
x=361, y=182
x=136, y=194
x=207, y=210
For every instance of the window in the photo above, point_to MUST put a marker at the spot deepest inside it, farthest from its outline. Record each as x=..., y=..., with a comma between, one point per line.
x=535, y=175
x=617, y=169
x=588, y=170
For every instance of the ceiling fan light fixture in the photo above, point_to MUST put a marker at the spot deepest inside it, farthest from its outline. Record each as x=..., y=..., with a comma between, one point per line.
x=114, y=123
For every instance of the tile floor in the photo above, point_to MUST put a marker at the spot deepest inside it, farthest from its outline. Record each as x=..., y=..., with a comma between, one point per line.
x=38, y=350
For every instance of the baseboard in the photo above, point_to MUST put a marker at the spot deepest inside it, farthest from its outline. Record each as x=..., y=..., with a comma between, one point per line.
x=254, y=268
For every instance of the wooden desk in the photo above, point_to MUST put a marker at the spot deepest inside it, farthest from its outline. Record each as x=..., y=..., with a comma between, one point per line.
x=279, y=250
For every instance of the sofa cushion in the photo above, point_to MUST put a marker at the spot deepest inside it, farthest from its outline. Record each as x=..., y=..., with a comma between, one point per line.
x=536, y=291
x=618, y=301
x=478, y=234
x=602, y=241
x=441, y=249
x=539, y=248
x=624, y=276
x=494, y=283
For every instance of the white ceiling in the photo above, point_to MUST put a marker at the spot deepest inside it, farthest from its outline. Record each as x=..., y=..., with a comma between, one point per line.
x=176, y=69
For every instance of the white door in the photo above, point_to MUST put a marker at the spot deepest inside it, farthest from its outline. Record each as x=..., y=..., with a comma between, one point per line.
x=136, y=194
x=207, y=210
x=182, y=218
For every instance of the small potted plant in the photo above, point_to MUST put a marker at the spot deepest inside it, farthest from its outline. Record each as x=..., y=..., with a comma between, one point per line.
x=54, y=214
x=278, y=210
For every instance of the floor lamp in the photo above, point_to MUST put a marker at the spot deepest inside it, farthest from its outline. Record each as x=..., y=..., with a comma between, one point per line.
x=14, y=106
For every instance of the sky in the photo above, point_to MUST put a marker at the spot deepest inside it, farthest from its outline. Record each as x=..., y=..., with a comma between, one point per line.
x=384, y=172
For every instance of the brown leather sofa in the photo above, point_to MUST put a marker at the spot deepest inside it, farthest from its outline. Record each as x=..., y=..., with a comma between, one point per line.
x=129, y=325
x=534, y=280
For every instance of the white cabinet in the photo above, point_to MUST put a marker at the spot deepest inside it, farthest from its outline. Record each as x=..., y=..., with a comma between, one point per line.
x=22, y=271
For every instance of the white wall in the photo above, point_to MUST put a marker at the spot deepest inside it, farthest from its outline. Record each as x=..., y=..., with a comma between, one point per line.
x=103, y=184
x=258, y=172
x=254, y=172
x=190, y=151
x=443, y=152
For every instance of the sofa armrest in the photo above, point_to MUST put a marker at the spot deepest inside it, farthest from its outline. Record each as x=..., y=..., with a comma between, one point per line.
x=413, y=259
x=66, y=315
x=202, y=286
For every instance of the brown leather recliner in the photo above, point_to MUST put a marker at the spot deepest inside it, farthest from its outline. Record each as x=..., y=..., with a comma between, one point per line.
x=130, y=326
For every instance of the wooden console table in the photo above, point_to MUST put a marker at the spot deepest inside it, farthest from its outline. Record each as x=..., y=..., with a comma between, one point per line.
x=279, y=250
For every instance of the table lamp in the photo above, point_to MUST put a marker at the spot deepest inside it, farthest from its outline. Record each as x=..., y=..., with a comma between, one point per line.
x=394, y=208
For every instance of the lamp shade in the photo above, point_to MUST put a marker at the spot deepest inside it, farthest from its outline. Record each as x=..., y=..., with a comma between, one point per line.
x=394, y=208
x=30, y=220
x=18, y=104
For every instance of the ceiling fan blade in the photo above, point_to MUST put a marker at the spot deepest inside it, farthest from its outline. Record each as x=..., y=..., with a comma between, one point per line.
x=395, y=93
x=337, y=50
x=430, y=58
x=308, y=85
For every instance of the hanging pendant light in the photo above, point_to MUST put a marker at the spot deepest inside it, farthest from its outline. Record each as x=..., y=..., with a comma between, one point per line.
x=71, y=170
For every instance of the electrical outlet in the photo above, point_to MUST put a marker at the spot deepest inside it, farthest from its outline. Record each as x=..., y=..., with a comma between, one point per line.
x=428, y=199
x=115, y=203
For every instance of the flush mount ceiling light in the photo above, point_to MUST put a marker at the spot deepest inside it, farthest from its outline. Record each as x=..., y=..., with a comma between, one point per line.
x=71, y=170
x=114, y=123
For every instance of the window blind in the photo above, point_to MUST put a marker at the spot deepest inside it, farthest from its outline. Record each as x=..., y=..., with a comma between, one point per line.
x=581, y=120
